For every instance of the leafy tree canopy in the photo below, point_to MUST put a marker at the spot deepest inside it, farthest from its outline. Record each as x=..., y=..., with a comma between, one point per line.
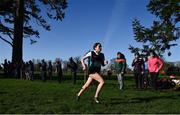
x=163, y=33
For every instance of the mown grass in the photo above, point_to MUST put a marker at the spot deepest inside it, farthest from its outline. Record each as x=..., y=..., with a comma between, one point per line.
x=21, y=96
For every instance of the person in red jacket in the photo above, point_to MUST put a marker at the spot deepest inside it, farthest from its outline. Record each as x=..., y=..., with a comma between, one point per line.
x=155, y=64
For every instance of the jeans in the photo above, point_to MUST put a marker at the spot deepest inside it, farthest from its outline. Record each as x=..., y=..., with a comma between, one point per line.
x=120, y=81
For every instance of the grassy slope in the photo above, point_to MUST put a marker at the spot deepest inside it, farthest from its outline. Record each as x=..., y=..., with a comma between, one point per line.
x=19, y=96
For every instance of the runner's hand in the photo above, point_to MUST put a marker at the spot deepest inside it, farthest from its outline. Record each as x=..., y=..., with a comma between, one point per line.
x=106, y=62
x=84, y=68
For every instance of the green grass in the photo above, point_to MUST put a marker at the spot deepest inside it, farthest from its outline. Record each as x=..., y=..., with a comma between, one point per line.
x=20, y=96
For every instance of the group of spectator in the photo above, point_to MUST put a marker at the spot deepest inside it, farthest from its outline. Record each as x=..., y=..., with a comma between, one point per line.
x=146, y=70
x=10, y=68
x=27, y=69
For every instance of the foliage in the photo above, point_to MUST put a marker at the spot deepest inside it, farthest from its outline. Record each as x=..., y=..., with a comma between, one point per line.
x=34, y=11
x=163, y=33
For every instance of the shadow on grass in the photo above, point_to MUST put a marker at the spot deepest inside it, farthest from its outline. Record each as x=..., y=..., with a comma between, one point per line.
x=115, y=101
x=3, y=92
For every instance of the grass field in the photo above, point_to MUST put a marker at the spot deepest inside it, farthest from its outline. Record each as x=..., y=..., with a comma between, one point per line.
x=20, y=96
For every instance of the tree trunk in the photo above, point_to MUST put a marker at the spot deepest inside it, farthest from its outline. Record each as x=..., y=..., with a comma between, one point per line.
x=17, y=52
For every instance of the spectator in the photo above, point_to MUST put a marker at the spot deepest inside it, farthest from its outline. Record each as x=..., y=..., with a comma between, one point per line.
x=73, y=66
x=155, y=64
x=138, y=65
x=44, y=70
x=120, y=66
x=31, y=67
x=50, y=69
x=5, y=66
x=146, y=73
x=59, y=70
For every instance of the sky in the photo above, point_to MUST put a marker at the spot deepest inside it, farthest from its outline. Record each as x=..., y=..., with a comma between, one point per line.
x=86, y=22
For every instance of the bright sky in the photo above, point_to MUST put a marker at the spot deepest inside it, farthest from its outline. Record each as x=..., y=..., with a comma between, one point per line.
x=87, y=22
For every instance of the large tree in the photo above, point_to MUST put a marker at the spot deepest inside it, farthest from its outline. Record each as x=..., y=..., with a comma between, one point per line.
x=17, y=16
x=164, y=32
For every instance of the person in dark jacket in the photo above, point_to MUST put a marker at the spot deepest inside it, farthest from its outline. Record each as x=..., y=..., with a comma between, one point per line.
x=31, y=64
x=138, y=67
x=120, y=66
x=5, y=66
x=73, y=66
x=59, y=70
x=44, y=70
x=146, y=73
x=50, y=69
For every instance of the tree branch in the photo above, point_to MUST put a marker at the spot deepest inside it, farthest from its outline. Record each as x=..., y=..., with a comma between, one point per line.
x=6, y=41
x=10, y=36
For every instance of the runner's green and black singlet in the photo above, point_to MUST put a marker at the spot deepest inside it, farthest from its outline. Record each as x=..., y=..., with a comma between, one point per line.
x=96, y=61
